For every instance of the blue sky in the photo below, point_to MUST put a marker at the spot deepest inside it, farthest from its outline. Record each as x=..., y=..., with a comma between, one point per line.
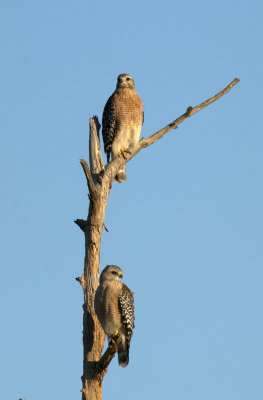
x=186, y=227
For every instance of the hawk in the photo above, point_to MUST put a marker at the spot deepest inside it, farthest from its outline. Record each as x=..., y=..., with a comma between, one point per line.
x=122, y=121
x=114, y=307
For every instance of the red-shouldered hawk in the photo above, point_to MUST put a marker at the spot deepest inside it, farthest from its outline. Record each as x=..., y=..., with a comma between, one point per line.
x=114, y=307
x=122, y=121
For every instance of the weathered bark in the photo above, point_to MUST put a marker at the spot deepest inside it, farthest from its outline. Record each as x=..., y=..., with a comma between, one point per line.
x=99, y=181
x=93, y=335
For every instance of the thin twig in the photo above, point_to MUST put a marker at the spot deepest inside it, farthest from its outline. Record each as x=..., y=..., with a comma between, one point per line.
x=82, y=223
x=105, y=227
x=81, y=280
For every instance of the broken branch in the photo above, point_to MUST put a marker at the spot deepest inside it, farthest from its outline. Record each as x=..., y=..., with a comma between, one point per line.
x=90, y=182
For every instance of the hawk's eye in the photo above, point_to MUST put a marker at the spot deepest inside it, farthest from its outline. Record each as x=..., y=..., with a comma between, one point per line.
x=128, y=79
x=114, y=272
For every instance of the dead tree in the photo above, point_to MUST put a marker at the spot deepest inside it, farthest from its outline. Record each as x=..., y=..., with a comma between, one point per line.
x=99, y=181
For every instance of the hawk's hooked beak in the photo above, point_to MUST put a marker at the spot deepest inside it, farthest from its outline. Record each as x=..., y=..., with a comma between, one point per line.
x=120, y=275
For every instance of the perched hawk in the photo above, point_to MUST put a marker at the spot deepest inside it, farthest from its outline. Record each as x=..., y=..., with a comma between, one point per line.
x=122, y=121
x=114, y=307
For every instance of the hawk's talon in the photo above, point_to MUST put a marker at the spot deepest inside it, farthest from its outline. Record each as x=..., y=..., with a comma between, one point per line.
x=122, y=153
x=114, y=338
x=112, y=344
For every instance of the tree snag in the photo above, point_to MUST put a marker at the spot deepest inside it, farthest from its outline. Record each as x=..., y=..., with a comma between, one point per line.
x=99, y=181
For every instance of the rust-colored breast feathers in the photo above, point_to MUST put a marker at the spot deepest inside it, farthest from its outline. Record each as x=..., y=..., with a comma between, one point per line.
x=128, y=109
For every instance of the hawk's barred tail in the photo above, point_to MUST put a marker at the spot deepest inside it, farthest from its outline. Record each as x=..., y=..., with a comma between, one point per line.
x=123, y=354
x=121, y=175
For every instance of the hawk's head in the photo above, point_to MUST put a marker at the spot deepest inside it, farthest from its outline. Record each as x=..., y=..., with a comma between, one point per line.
x=112, y=273
x=125, y=81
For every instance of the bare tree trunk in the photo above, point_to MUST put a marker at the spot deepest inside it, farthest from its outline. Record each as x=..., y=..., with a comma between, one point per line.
x=93, y=335
x=99, y=180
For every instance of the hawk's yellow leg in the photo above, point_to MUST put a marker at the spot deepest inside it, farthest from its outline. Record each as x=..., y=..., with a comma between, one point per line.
x=114, y=338
x=123, y=151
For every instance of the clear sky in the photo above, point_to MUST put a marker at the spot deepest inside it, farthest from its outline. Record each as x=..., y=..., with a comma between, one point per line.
x=186, y=227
